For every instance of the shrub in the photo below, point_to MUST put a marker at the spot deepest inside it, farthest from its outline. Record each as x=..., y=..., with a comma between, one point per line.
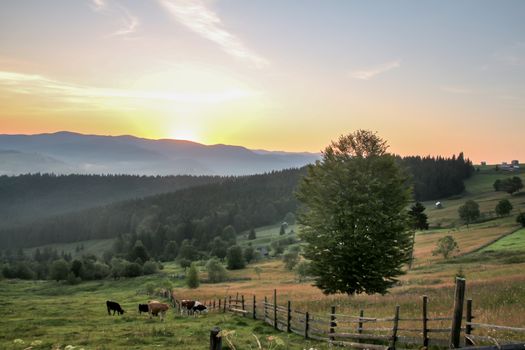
x=216, y=272
x=150, y=267
x=445, y=246
x=235, y=258
x=520, y=219
x=503, y=208
x=132, y=269
x=192, y=279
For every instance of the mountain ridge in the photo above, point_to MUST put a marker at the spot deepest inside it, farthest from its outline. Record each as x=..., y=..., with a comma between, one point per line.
x=129, y=154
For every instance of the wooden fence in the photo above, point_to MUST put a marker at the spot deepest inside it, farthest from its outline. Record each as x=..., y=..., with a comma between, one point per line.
x=375, y=333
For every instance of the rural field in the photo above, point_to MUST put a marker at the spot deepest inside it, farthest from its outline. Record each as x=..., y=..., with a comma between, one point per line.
x=491, y=257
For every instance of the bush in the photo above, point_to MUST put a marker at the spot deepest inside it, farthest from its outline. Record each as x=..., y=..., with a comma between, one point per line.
x=290, y=258
x=149, y=268
x=216, y=272
x=59, y=270
x=503, y=208
x=446, y=246
x=520, y=219
x=192, y=279
x=235, y=258
x=132, y=269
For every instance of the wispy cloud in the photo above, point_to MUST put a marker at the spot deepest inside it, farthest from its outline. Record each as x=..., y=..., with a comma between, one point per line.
x=371, y=72
x=459, y=90
x=98, y=5
x=197, y=17
x=35, y=85
x=127, y=22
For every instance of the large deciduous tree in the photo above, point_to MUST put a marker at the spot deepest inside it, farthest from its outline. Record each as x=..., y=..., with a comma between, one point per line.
x=354, y=216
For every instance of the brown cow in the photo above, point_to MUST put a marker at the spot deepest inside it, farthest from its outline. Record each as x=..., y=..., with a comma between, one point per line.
x=157, y=308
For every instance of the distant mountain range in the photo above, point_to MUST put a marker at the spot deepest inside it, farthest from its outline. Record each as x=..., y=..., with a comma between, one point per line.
x=67, y=153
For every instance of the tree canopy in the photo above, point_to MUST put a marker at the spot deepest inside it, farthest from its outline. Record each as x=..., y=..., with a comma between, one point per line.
x=469, y=211
x=419, y=218
x=355, y=223
x=503, y=208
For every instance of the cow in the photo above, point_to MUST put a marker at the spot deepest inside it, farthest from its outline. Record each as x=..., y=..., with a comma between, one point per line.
x=199, y=307
x=156, y=308
x=186, y=306
x=115, y=307
x=143, y=308
x=192, y=307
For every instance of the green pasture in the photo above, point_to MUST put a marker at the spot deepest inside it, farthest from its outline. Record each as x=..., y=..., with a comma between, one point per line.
x=513, y=242
x=52, y=316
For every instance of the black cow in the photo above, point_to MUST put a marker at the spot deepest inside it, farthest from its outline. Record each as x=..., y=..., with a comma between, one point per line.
x=143, y=308
x=200, y=308
x=115, y=307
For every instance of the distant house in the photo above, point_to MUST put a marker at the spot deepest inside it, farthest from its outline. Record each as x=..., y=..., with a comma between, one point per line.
x=515, y=164
x=507, y=167
x=483, y=163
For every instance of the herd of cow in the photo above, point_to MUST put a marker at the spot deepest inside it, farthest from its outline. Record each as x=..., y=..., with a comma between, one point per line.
x=156, y=308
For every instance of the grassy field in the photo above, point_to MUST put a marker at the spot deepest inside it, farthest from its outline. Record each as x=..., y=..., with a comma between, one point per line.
x=52, y=316
x=491, y=257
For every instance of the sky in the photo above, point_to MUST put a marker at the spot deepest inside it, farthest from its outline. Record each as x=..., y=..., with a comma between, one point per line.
x=430, y=77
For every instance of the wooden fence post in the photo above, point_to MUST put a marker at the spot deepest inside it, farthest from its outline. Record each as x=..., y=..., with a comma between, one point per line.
x=265, y=309
x=254, y=308
x=275, y=309
x=215, y=340
x=360, y=324
x=213, y=304
x=468, y=327
x=224, y=305
x=394, y=329
x=459, y=298
x=425, y=321
x=220, y=308
x=306, y=320
x=289, y=317
x=229, y=302
x=332, y=323
x=242, y=304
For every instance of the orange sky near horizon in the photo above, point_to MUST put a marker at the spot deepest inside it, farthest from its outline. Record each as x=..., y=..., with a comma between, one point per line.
x=437, y=79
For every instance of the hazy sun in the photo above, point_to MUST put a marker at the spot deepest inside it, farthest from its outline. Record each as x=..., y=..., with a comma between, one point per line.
x=185, y=134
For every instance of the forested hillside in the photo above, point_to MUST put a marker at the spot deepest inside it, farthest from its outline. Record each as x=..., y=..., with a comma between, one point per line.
x=25, y=198
x=198, y=213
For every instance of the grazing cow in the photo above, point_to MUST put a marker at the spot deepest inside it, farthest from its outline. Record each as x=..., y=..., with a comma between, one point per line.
x=143, y=308
x=191, y=307
x=156, y=308
x=199, y=307
x=186, y=306
x=115, y=307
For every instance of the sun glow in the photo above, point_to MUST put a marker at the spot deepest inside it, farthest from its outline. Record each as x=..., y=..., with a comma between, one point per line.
x=185, y=134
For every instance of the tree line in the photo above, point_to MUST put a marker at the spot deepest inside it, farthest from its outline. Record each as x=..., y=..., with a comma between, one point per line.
x=198, y=214
x=437, y=177
x=28, y=197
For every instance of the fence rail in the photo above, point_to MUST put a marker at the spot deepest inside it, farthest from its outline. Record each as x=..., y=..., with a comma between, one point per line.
x=376, y=333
